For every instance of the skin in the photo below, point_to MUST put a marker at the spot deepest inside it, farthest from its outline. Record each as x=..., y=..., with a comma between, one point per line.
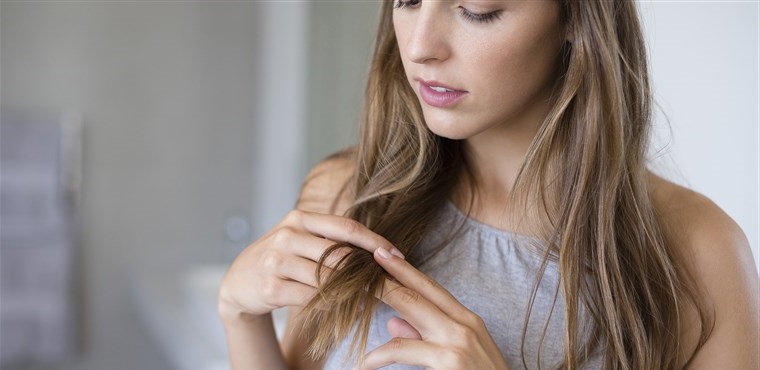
x=508, y=67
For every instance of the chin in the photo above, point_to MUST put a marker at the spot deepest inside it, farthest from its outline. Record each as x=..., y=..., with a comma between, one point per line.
x=448, y=132
x=450, y=128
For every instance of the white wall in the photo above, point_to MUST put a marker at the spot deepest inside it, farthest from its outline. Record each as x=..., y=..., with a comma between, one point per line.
x=166, y=92
x=281, y=111
x=341, y=38
x=704, y=58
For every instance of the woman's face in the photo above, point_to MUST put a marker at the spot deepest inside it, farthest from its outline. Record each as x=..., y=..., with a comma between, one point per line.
x=479, y=65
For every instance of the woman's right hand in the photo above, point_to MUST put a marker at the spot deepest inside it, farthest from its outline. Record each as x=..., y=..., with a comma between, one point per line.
x=279, y=269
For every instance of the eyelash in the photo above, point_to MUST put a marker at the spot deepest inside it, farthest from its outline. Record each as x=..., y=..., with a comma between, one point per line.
x=468, y=15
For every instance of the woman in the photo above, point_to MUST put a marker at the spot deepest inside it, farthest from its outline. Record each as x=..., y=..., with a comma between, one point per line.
x=497, y=213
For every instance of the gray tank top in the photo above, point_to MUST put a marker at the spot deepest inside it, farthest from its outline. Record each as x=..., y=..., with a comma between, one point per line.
x=492, y=272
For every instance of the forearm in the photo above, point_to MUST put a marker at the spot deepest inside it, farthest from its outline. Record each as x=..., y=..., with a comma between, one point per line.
x=252, y=343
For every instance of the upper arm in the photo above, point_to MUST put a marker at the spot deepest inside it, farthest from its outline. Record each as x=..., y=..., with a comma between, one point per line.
x=719, y=259
x=726, y=270
x=326, y=187
x=325, y=190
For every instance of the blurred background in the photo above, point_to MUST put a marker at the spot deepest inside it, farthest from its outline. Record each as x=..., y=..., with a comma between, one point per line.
x=146, y=143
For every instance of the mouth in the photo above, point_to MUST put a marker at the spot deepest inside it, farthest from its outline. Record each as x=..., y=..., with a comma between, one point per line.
x=441, y=89
x=438, y=95
x=439, y=86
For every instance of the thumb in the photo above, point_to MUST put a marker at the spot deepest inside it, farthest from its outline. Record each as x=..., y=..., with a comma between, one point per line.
x=399, y=328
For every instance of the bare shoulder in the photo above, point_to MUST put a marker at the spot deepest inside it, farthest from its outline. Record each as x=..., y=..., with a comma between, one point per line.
x=719, y=258
x=326, y=188
x=696, y=224
x=694, y=220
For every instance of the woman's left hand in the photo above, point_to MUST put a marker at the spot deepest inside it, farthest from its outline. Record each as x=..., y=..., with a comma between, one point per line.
x=437, y=332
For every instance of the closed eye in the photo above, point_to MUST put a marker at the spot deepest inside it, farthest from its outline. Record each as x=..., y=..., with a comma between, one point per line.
x=480, y=17
x=466, y=14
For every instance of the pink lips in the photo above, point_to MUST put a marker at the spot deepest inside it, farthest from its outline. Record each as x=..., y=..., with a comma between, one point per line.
x=439, y=99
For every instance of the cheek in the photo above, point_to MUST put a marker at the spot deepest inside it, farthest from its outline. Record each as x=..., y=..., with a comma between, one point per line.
x=515, y=70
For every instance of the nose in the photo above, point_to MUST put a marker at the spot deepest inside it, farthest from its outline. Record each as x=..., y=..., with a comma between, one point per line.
x=429, y=39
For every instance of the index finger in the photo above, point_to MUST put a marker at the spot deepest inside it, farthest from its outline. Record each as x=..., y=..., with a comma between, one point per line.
x=422, y=314
x=414, y=279
x=341, y=229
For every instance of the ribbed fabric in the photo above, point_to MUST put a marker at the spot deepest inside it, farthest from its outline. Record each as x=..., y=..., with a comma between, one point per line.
x=493, y=273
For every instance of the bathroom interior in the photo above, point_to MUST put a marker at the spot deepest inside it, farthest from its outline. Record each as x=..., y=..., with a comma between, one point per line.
x=146, y=143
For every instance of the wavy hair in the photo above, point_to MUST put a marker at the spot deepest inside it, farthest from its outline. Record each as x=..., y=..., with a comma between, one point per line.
x=595, y=212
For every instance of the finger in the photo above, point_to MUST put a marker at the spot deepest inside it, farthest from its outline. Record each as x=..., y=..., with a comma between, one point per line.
x=422, y=314
x=300, y=269
x=341, y=229
x=398, y=327
x=401, y=351
x=288, y=293
x=308, y=246
x=414, y=279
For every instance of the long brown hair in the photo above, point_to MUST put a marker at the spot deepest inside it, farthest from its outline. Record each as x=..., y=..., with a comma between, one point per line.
x=596, y=215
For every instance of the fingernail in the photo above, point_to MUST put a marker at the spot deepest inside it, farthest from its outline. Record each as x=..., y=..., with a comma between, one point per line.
x=397, y=253
x=383, y=253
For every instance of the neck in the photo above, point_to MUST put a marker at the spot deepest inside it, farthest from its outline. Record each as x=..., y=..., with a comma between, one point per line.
x=494, y=158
